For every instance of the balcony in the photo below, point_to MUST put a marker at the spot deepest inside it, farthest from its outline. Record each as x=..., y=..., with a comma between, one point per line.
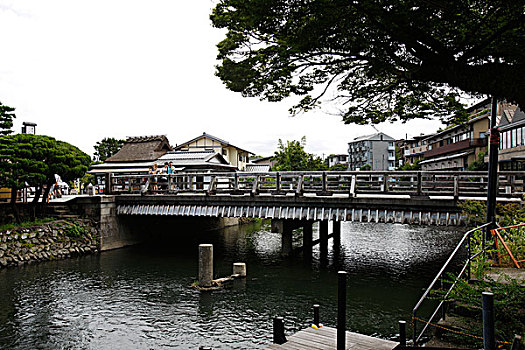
x=455, y=147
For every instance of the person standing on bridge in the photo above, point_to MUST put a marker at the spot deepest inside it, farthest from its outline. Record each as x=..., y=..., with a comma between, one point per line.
x=154, y=171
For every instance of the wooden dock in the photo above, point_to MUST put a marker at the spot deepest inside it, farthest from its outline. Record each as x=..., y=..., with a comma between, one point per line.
x=324, y=339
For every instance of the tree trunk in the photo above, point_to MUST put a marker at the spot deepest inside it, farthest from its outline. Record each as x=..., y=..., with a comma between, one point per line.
x=14, y=194
x=34, y=203
x=50, y=182
x=38, y=193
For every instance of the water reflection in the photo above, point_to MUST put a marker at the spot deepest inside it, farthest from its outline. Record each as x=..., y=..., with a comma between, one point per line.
x=141, y=297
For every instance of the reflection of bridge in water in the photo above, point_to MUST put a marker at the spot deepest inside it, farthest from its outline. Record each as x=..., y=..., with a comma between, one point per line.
x=429, y=198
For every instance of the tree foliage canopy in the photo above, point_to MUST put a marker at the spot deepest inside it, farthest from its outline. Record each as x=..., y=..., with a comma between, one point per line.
x=34, y=159
x=107, y=147
x=376, y=60
x=6, y=119
x=292, y=157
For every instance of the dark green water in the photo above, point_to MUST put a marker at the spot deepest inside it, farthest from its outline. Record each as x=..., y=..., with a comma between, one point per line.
x=140, y=297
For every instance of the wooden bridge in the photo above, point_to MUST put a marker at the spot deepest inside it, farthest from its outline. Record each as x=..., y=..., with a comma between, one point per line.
x=419, y=197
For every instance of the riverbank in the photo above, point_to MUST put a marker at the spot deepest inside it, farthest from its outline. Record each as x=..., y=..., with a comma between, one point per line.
x=54, y=240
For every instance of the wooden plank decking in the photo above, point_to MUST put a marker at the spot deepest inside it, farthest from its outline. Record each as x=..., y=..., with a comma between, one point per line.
x=324, y=339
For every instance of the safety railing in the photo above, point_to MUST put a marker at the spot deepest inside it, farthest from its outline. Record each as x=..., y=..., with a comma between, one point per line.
x=499, y=235
x=418, y=183
x=465, y=241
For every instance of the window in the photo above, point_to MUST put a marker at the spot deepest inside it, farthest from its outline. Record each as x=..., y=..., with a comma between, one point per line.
x=224, y=152
x=240, y=157
x=504, y=140
x=514, y=139
x=519, y=137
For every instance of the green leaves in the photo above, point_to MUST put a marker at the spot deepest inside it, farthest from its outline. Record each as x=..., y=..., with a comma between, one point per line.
x=375, y=61
x=6, y=119
x=292, y=157
x=107, y=147
x=33, y=159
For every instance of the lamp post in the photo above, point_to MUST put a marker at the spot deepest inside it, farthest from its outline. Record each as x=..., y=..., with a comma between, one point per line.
x=492, y=190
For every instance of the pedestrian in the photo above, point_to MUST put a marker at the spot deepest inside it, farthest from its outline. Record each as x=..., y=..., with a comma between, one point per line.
x=153, y=179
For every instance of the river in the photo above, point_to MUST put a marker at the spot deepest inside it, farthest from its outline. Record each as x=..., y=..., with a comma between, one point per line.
x=141, y=297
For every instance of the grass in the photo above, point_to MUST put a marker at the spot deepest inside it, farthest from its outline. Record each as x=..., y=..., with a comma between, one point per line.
x=26, y=224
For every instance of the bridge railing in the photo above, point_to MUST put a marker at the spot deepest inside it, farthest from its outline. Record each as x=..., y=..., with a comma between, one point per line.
x=419, y=183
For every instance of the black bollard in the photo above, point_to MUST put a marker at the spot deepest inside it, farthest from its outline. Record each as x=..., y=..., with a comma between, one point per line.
x=278, y=330
x=489, y=342
x=316, y=314
x=403, y=333
x=341, y=310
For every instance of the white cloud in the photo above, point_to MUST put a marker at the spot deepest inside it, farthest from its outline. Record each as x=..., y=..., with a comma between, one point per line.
x=87, y=70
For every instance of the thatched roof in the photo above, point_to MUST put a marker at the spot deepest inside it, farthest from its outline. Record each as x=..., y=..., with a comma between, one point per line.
x=142, y=148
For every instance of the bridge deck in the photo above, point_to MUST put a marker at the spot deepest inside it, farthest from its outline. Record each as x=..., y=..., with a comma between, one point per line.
x=324, y=339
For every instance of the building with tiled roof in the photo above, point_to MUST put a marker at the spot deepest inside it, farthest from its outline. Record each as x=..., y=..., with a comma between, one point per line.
x=236, y=156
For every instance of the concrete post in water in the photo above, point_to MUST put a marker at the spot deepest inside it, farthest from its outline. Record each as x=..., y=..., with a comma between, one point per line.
x=489, y=342
x=403, y=333
x=341, y=310
x=205, y=265
x=239, y=269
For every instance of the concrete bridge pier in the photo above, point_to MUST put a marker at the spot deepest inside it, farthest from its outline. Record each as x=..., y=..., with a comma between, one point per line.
x=323, y=241
x=307, y=239
x=286, y=242
x=336, y=230
x=285, y=227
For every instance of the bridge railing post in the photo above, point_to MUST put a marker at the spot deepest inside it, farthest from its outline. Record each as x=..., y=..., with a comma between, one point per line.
x=255, y=186
x=300, y=185
x=278, y=182
x=419, y=183
x=352, y=186
x=385, y=182
x=456, y=186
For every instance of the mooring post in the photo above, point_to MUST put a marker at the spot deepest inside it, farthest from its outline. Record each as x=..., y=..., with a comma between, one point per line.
x=316, y=314
x=239, y=268
x=278, y=330
x=341, y=310
x=205, y=265
x=489, y=342
x=403, y=333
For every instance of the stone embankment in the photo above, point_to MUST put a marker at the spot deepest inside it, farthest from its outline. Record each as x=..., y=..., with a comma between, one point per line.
x=51, y=241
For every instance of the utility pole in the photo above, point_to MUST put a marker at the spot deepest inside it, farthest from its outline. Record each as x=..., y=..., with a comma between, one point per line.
x=493, y=167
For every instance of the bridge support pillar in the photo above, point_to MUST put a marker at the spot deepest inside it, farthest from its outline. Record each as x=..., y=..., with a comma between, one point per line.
x=286, y=241
x=307, y=239
x=337, y=229
x=323, y=240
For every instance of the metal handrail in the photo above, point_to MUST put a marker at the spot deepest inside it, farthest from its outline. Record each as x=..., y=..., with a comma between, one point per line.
x=415, y=337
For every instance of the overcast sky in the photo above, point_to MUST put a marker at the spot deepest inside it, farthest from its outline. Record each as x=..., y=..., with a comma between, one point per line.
x=85, y=70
